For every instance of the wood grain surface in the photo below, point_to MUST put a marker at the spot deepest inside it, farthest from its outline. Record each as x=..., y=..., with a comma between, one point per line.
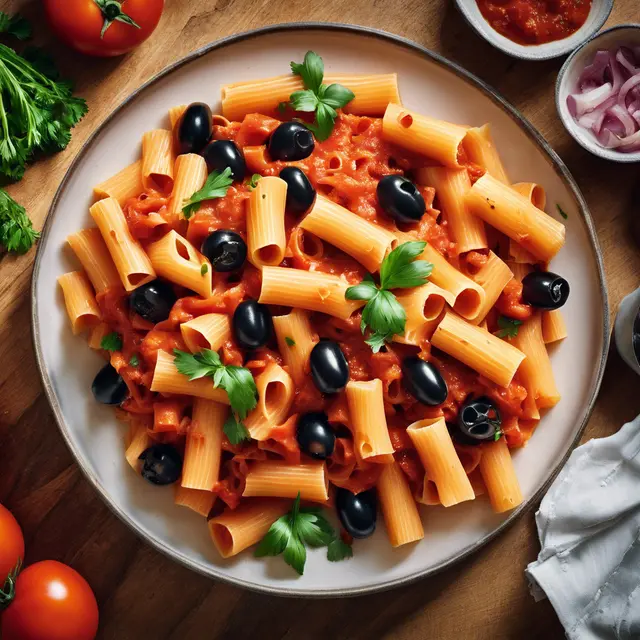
x=142, y=594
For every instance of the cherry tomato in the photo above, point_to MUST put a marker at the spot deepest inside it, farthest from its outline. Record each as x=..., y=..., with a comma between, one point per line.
x=103, y=27
x=52, y=602
x=11, y=544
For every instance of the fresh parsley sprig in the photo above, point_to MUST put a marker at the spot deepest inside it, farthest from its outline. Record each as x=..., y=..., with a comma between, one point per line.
x=317, y=97
x=508, y=327
x=238, y=382
x=293, y=532
x=562, y=212
x=111, y=342
x=16, y=230
x=216, y=186
x=383, y=314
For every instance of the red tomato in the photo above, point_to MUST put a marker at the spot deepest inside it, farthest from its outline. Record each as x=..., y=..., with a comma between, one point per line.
x=79, y=23
x=52, y=602
x=11, y=544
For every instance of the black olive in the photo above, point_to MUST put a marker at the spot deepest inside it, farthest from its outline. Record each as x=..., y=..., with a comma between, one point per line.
x=357, y=512
x=315, y=435
x=544, y=290
x=478, y=421
x=329, y=367
x=225, y=249
x=194, y=130
x=252, y=324
x=300, y=192
x=162, y=464
x=400, y=198
x=291, y=141
x=423, y=381
x=220, y=154
x=153, y=300
x=108, y=387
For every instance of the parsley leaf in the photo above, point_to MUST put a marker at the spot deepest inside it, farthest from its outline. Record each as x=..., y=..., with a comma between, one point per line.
x=37, y=112
x=253, y=182
x=216, y=186
x=383, y=314
x=235, y=430
x=508, y=327
x=338, y=550
x=111, y=342
x=290, y=341
x=203, y=269
x=238, y=382
x=318, y=97
x=134, y=361
x=290, y=534
x=561, y=211
x=15, y=25
x=16, y=230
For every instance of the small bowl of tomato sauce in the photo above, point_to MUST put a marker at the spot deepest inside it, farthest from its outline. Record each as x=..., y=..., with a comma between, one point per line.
x=536, y=29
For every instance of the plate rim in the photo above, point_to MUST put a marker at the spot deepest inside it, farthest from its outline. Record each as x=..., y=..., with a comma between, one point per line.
x=552, y=157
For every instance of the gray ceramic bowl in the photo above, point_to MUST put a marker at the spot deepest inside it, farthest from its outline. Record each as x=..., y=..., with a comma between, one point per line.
x=568, y=80
x=600, y=10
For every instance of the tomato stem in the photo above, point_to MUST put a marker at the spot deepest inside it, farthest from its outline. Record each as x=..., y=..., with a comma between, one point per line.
x=8, y=591
x=112, y=12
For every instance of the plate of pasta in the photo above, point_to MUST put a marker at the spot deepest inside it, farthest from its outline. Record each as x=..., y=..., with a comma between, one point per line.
x=317, y=312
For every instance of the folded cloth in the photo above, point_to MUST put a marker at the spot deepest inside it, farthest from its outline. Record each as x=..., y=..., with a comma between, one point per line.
x=589, y=529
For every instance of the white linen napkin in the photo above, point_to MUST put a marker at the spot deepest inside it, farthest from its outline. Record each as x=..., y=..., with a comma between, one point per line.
x=589, y=529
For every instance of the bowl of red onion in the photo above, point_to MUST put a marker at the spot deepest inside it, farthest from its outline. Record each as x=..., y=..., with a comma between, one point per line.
x=598, y=94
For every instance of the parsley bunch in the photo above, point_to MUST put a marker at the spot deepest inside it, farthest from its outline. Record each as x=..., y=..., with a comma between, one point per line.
x=383, y=314
x=317, y=97
x=216, y=186
x=236, y=381
x=37, y=110
x=289, y=534
x=16, y=230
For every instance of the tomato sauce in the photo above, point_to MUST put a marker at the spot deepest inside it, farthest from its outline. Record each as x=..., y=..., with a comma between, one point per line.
x=345, y=168
x=532, y=22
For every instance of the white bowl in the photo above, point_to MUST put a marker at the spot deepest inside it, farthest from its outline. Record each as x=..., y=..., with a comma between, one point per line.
x=600, y=10
x=568, y=81
x=428, y=83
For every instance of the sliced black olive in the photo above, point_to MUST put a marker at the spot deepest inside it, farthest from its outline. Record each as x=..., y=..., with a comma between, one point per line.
x=357, y=513
x=544, y=290
x=225, y=249
x=108, y=387
x=153, y=300
x=252, y=324
x=300, y=192
x=315, y=435
x=329, y=367
x=195, y=128
x=220, y=154
x=423, y=381
x=162, y=464
x=400, y=198
x=478, y=421
x=291, y=141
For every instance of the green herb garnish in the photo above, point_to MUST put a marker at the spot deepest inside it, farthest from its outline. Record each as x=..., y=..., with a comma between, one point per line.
x=238, y=382
x=111, y=342
x=16, y=230
x=317, y=97
x=216, y=186
x=561, y=211
x=134, y=361
x=15, y=25
x=508, y=327
x=383, y=314
x=289, y=534
x=290, y=341
x=338, y=550
x=253, y=181
x=203, y=269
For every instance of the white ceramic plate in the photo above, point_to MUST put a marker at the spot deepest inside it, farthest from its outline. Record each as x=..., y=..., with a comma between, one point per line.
x=428, y=83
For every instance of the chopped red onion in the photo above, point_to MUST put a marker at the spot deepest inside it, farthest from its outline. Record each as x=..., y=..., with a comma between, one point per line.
x=607, y=98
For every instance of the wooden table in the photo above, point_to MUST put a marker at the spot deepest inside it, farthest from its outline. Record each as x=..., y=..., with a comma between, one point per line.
x=141, y=593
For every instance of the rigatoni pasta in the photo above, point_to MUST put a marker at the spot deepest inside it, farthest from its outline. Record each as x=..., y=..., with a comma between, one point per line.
x=80, y=301
x=266, y=238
